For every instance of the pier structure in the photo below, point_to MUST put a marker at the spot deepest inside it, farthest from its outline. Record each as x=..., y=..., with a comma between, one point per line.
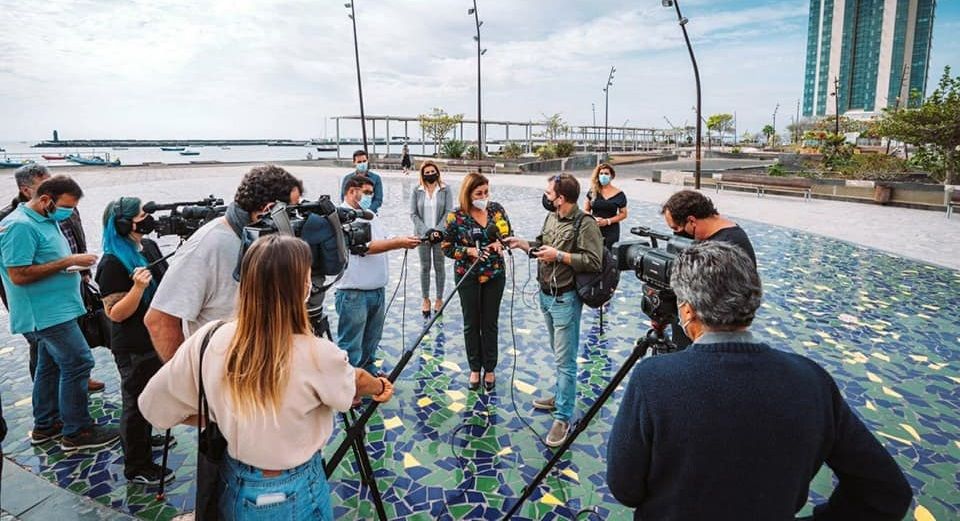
x=529, y=134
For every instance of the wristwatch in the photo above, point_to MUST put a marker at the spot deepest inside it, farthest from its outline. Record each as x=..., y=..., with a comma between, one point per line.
x=560, y=255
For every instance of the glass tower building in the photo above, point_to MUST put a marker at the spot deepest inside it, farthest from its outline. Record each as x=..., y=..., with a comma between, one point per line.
x=873, y=53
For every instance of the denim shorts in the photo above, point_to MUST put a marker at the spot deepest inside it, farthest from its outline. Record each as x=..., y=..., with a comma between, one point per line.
x=300, y=493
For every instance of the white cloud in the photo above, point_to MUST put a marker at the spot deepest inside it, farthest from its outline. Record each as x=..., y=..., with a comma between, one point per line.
x=260, y=68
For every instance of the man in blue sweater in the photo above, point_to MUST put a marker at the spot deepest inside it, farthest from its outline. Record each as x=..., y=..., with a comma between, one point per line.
x=362, y=169
x=732, y=429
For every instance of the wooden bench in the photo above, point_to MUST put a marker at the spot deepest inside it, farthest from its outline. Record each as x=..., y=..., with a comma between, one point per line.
x=953, y=201
x=762, y=184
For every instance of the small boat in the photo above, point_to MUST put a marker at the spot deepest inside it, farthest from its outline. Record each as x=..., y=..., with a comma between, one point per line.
x=92, y=160
x=326, y=149
x=173, y=149
x=53, y=157
x=189, y=153
x=12, y=163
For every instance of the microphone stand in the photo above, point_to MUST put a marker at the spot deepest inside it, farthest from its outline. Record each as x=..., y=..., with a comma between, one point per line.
x=356, y=431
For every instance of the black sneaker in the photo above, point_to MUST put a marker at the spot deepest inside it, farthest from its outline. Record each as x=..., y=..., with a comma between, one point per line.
x=150, y=475
x=156, y=441
x=92, y=437
x=38, y=436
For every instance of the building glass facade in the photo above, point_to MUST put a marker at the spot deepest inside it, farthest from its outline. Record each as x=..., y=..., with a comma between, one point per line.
x=863, y=43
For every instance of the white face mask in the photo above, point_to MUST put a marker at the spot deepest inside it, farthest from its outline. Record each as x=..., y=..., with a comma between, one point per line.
x=683, y=325
x=480, y=204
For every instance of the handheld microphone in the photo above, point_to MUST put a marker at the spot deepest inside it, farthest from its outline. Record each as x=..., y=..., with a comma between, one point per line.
x=433, y=236
x=495, y=230
x=476, y=235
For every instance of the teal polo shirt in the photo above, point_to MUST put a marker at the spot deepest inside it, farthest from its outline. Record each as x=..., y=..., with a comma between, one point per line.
x=26, y=239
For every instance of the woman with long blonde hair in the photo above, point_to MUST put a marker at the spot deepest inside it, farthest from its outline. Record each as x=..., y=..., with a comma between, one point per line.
x=272, y=387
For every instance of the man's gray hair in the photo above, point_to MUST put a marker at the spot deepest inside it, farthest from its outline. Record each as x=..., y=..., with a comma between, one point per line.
x=720, y=282
x=27, y=174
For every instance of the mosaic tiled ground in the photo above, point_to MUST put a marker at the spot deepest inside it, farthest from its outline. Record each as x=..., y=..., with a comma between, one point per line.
x=883, y=326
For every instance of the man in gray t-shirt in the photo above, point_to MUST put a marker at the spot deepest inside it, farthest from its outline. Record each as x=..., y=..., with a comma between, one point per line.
x=199, y=286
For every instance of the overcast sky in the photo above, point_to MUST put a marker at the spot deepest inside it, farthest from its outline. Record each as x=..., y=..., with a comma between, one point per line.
x=272, y=69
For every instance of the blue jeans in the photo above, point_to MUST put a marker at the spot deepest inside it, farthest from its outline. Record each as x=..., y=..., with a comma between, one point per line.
x=300, y=493
x=360, y=325
x=562, y=315
x=64, y=363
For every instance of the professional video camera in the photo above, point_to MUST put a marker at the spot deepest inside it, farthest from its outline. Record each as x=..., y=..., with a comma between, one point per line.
x=185, y=217
x=329, y=230
x=652, y=265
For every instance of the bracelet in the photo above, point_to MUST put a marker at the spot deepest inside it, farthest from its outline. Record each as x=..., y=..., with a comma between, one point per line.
x=383, y=386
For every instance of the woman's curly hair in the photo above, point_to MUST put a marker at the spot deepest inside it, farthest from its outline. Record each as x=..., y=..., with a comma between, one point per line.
x=265, y=184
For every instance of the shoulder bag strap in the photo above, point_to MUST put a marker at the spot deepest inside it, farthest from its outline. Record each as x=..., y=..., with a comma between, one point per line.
x=203, y=408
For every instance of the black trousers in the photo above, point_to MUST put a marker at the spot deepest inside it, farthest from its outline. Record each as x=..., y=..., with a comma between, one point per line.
x=481, y=315
x=136, y=369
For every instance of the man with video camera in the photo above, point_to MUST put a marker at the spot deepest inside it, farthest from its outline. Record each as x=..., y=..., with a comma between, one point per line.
x=563, y=252
x=360, y=296
x=731, y=428
x=201, y=284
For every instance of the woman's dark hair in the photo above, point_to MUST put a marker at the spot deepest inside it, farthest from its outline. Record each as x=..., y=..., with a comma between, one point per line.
x=688, y=203
x=264, y=185
x=59, y=185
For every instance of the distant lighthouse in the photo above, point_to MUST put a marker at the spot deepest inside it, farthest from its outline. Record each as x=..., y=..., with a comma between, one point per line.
x=56, y=136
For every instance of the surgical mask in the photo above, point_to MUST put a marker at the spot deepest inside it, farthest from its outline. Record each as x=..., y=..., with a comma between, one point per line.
x=548, y=205
x=361, y=168
x=480, y=204
x=685, y=235
x=683, y=325
x=430, y=178
x=146, y=226
x=604, y=179
x=60, y=213
x=366, y=200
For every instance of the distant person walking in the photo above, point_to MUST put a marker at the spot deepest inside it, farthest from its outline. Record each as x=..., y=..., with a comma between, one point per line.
x=607, y=203
x=430, y=203
x=405, y=161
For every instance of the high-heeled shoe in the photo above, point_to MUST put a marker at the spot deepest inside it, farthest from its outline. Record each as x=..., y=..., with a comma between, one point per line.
x=426, y=313
x=475, y=385
x=487, y=384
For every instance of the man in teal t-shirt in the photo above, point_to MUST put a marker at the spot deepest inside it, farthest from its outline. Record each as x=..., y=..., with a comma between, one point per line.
x=44, y=305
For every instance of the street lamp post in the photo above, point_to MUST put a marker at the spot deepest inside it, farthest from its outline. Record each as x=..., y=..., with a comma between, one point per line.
x=836, y=105
x=696, y=73
x=356, y=54
x=775, y=109
x=480, y=52
x=606, y=112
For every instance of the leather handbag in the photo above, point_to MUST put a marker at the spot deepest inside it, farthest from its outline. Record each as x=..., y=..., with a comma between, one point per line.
x=211, y=448
x=94, y=323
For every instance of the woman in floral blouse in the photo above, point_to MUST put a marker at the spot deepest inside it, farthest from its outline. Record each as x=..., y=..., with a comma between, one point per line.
x=474, y=221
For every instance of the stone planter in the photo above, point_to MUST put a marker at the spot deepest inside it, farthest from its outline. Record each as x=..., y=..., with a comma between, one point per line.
x=882, y=193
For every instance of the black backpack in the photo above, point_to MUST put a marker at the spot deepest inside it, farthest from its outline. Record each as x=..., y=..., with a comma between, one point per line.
x=596, y=289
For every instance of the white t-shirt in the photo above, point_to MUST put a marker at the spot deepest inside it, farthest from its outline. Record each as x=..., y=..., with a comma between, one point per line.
x=429, y=208
x=367, y=271
x=199, y=286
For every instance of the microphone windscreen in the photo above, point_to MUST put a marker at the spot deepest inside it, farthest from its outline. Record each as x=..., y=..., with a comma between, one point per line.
x=503, y=228
x=150, y=207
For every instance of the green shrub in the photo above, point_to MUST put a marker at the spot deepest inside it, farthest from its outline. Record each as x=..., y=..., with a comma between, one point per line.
x=473, y=152
x=565, y=148
x=545, y=152
x=776, y=170
x=511, y=150
x=453, y=149
x=735, y=150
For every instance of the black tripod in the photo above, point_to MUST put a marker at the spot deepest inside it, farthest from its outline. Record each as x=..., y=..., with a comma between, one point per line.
x=356, y=426
x=654, y=343
x=321, y=327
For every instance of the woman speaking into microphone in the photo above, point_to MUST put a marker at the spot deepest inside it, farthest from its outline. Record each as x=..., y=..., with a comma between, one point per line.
x=272, y=387
x=472, y=232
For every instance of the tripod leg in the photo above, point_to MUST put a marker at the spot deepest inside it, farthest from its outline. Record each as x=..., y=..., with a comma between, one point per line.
x=366, y=470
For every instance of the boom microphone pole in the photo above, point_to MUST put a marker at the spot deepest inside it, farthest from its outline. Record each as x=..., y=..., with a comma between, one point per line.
x=356, y=430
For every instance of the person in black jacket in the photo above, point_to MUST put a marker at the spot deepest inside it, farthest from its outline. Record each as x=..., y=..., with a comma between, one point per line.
x=731, y=428
x=29, y=177
x=128, y=275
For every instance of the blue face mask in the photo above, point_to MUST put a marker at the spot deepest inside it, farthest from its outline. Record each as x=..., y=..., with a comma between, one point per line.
x=366, y=200
x=61, y=214
x=361, y=167
x=604, y=179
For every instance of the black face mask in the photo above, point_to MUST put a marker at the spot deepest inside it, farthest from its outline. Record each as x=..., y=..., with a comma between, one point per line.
x=146, y=226
x=430, y=178
x=548, y=204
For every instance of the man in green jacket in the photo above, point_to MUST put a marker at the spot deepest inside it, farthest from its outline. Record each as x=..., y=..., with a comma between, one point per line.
x=563, y=253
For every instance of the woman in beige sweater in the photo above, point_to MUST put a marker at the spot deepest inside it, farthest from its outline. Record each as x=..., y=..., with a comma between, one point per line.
x=272, y=388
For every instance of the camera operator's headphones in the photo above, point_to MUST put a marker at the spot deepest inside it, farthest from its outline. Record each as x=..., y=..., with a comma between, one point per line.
x=120, y=223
